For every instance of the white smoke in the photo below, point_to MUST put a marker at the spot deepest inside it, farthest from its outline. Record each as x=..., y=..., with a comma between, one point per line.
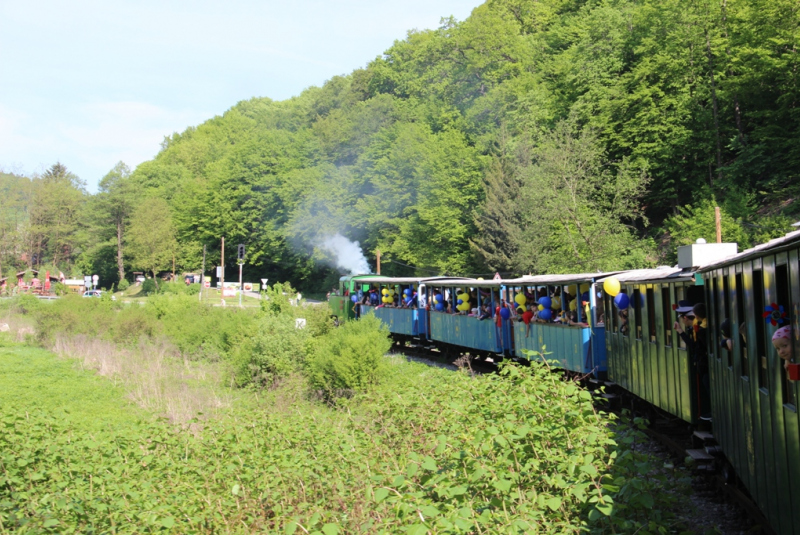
x=345, y=254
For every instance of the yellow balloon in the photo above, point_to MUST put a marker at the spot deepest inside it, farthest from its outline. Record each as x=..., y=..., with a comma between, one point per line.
x=520, y=310
x=384, y=292
x=480, y=278
x=584, y=287
x=572, y=289
x=541, y=307
x=520, y=299
x=555, y=303
x=391, y=293
x=611, y=286
x=573, y=305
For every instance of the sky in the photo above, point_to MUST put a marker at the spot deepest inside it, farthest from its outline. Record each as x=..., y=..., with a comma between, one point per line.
x=91, y=83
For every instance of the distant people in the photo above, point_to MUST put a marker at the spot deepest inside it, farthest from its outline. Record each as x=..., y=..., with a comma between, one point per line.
x=782, y=342
x=485, y=312
x=726, y=341
x=623, y=322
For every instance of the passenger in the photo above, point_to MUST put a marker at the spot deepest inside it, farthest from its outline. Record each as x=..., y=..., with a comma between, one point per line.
x=782, y=342
x=485, y=312
x=527, y=317
x=374, y=299
x=725, y=334
x=623, y=322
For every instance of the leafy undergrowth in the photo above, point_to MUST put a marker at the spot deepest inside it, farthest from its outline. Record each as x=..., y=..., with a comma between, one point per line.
x=428, y=451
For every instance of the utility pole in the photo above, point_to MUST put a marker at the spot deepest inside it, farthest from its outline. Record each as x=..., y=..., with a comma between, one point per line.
x=378, y=258
x=203, y=276
x=222, y=270
x=718, y=221
x=240, y=260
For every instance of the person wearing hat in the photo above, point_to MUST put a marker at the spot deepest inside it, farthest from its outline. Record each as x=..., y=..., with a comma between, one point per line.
x=685, y=324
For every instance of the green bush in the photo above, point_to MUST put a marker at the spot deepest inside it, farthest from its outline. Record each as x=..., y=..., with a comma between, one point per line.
x=149, y=287
x=123, y=285
x=60, y=289
x=274, y=351
x=350, y=358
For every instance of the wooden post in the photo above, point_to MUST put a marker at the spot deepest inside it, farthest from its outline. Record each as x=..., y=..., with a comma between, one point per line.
x=222, y=271
x=719, y=224
x=378, y=257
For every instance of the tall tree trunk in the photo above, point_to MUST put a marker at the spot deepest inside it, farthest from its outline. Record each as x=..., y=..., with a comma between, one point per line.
x=120, y=265
x=737, y=111
x=715, y=107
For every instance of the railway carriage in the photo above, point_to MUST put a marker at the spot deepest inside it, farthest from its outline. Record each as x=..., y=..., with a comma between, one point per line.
x=753, y=395
x=645, y=355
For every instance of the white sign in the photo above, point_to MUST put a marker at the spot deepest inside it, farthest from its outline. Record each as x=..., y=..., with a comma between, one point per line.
x=264, y=283
x=95, y=278
x=229, y=292
x=247, y=286
x=219, y=272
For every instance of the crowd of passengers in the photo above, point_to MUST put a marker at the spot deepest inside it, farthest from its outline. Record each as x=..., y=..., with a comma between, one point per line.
x=562, y=309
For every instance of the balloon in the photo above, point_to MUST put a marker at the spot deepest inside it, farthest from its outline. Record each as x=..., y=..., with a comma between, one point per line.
x=409, y=300
x=611, y=286
x=621, y=301
x=545, y=302
x=460, y=302
x=573, y=305
x=385, y=292
x=540, y=307
x=555, y=304
x=354, y=298
x=520, y=310
x=505, y=313
x=463, y=307
x=520, y=299
x=585, y=296
x=572, y=289
x=440, y=306
x=545, y=314
x=391, y=293
x=407, y=291
x=437, y=299
x=585, y=287
x=480, y=278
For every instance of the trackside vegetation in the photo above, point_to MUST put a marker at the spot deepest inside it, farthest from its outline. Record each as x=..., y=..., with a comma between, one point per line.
x=344, y=439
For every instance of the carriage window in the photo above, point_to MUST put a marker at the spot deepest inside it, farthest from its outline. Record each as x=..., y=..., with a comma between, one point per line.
x=741, y=320
x=784, y=299
x=760, y=341
x=726, y=327
x=651, y=314
x=637, y=312
x=680, y=295
x=614, y=317
x=666, y=314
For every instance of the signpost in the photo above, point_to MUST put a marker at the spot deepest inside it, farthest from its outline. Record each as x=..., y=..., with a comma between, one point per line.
x=264, y=285
x=95, y=278
x=240, y=260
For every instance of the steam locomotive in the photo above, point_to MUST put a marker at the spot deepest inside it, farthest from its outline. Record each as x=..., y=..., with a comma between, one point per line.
x=748, y=391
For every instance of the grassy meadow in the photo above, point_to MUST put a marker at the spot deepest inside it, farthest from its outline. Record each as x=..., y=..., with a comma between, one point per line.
x=129, y=419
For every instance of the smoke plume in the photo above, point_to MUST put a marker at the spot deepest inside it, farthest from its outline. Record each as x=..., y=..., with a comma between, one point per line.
x=345, y=254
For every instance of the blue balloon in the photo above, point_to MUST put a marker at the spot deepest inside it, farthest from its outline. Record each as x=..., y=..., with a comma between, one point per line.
x=459, y=302
x=621, y=301
x=354, y=298
x=438, y=298
x=409, y=301
x=546, y=314
x=505, y=313
x=440, y=306
x=585, y=296
x=407, y=291
x=545, y=302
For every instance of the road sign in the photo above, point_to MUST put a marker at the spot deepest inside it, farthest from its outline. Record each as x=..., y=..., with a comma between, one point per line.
x=207, y=284
x=264, y=284
x=219, y=272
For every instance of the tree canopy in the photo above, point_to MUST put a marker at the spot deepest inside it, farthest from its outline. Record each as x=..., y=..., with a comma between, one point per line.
x=535, y=136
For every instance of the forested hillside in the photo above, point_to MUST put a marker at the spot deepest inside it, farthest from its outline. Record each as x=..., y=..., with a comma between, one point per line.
x=534, y=136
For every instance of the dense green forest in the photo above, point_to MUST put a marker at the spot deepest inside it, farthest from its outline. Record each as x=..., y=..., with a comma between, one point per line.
x=535, y=136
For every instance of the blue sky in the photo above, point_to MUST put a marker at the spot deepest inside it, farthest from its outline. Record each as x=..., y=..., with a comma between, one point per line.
x=90, y=83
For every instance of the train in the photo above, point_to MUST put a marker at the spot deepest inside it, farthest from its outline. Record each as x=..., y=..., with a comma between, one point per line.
x=745, y=399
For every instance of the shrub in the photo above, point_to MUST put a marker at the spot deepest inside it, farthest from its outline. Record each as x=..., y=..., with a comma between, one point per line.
x=60, y=289
x=276, y=349
x=123, y=285
x=149, y=287
x=350, y=358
